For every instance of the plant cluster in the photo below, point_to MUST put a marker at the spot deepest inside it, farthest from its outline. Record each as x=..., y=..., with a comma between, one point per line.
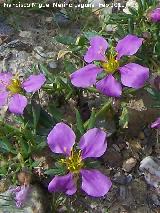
x=110, y=66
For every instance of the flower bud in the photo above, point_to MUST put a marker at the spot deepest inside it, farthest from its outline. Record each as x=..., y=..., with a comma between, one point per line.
x=154, y=15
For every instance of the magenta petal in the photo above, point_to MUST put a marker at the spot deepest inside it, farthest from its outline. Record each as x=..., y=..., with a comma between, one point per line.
x=94, y=183
x=17, y=104
x=155, y=15
x=21, y=196
x=109, y=86
x=63, y=184
x=85, y=76
x=5, y=78
x=156, y=124
x=96, y=52
x=134, y=75
x=3, y=98
x=34, y=83
x=61, y=139
x=129, y=45
x=92, y=143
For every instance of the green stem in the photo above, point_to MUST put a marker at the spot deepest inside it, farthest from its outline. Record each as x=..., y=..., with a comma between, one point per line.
x=99, y=112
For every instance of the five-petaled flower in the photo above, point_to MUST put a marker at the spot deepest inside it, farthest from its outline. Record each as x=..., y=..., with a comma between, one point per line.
x=92, y=145
x=154, y=15
x=132, y=75
x=12, y=89
x=156, y=124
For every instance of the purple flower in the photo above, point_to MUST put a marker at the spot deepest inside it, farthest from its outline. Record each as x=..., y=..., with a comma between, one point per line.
x=155, y=15
x=132, y=75
x=156, y=124
x=20, y=194
x=11, y=90
x=92, y=144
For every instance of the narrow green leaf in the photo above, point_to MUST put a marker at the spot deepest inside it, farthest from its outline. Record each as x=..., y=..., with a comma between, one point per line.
x=124, y=118
x=36, y=114
x=79, y=123
x=92, y=120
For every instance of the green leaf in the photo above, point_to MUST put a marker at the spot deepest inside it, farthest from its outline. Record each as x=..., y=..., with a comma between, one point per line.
x=36, y=114
x=92, y=120
x=57, y=115
x=66, y=40
x=25, y=148
x=56, y=171
x=81, y=41
x=6, y=147
x=124, y=118
x=46, y=71
x=79, y=123
x=93, y=164
x=35, y=164
x=90, y=34
x=69, y=67
x=133, y=11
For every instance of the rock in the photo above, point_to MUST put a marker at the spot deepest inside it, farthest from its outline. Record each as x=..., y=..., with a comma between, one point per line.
x=132, y=4
x=15, y=60
x=122, y=178
x=129, y=164
x=111, y=28
x=154, y=198
x=25, y=34
x=96, y=3
x=157, y=148
x=151, y=170
x=40, y=54
x=52, y=64
x=5, y=30
x=37, y=202
x=61, y=19
x=49, y=19
x=140, y=113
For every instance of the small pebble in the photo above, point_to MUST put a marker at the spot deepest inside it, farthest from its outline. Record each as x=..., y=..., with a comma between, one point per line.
x=52, y=64
x=129, y=164
x=25, y=34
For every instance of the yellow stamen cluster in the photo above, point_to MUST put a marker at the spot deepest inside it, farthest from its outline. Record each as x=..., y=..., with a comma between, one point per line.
x=74, y=162
x=14, y=86
x=111, y=65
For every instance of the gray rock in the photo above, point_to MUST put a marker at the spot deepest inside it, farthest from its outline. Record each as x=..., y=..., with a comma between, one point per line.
x=122, y=178
x=35, y=203
x=151, y=171
x=5, y=30
x=132, y=4
x=61, y=19
x=52, y=64
x=25, y=34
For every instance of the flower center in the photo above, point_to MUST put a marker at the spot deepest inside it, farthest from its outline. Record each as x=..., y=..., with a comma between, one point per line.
x=74, y=162
x=111, y=65
x=14, y=86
